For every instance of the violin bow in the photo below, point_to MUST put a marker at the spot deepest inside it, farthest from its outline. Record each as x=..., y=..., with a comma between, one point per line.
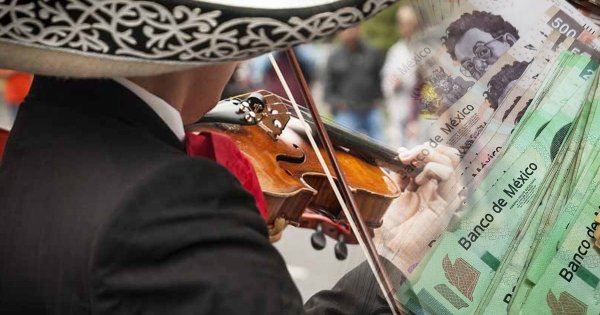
x=343, y=193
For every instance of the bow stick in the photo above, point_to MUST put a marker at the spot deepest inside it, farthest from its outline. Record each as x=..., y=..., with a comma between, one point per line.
x=343, y=194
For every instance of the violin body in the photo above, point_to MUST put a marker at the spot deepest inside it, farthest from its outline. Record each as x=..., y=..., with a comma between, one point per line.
x=294, y=184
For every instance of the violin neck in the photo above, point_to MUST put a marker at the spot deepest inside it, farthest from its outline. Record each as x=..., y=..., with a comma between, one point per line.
x=357, y=144
x=362, y=146
x=368, y=149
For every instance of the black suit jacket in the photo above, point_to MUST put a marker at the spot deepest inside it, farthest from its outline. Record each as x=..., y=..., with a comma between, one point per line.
x=102, y=212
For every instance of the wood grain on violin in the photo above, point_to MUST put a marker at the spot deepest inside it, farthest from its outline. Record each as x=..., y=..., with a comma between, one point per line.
x=292, y=178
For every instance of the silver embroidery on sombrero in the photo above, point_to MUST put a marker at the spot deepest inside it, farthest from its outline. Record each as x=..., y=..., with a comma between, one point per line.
x=149, y=30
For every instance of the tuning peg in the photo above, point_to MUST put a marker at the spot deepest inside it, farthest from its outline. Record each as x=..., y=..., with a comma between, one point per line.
x=317, y=239
x=340, y=249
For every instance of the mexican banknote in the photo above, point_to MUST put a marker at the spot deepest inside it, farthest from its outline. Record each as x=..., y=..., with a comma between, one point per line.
x=513, y=85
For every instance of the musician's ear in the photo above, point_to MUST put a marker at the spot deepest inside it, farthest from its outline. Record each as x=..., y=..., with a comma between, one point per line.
x=202, y=88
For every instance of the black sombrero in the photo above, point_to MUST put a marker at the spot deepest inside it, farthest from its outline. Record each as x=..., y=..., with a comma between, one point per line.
x=100, y=38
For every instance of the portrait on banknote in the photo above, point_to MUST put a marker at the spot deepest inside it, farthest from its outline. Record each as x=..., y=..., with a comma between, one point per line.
x=503, y=82
x=477, y=40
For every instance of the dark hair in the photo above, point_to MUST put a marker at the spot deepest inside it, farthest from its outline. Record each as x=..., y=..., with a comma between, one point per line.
x=508, y=111
x=522, y=112
x=485, y=21
x=501, y=80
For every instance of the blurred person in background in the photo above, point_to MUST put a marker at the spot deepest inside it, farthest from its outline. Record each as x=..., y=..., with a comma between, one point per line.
x=268, y=77
x=353, y=84
x=16, y=88
x=259, y=74
x=398, y=81
x=239, y=82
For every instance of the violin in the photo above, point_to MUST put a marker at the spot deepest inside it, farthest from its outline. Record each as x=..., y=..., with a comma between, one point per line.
x=3, y=139
x=293, y=182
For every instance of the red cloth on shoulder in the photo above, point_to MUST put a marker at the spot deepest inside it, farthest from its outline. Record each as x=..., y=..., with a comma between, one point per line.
x=17, y=87
x=223, y=150
x=3, y=139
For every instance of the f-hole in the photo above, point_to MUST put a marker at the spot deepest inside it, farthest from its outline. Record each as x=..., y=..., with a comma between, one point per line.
x=293, y=159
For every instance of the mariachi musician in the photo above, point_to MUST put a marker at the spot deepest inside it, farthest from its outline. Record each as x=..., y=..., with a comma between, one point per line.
x=102, y=211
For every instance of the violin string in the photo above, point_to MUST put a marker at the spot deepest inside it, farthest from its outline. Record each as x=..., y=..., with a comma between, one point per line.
x=372, y=148
x=333, y=123
x=307, y=117
x=336, y=191
x=311, y=139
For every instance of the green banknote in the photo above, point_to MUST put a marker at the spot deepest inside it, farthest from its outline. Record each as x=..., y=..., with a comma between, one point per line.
x=469, y=256
x=565, y=88
x=570, y=284
x=553, y=195
x=485, y=148
x=566, y=94
x=585, y=177
x=529, y=138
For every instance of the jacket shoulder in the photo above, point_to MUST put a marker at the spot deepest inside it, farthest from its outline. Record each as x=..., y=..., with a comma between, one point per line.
x=186, y=240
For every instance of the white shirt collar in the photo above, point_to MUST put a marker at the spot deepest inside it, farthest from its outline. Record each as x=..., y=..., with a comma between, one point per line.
x=166, y=112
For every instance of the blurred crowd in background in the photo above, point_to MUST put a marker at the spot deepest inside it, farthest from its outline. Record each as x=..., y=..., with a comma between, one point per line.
x=359, y=79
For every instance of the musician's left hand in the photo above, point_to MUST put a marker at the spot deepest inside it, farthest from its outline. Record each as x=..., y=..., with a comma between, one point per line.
x=425, y=208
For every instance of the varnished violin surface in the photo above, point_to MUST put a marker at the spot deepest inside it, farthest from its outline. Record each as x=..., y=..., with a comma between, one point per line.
x=293, y=181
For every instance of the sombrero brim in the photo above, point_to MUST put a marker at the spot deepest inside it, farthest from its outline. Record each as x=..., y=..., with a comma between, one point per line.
x=109, y=38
